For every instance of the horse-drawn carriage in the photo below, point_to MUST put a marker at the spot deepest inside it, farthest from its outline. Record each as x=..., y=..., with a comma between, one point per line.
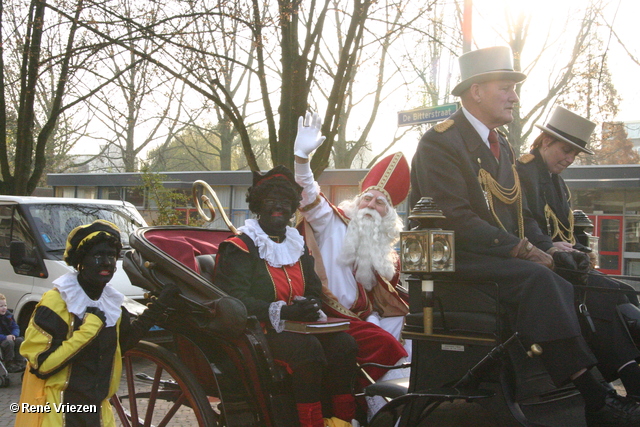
x=219, y=370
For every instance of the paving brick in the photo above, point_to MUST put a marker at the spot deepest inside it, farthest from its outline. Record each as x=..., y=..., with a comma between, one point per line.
x=10, y=395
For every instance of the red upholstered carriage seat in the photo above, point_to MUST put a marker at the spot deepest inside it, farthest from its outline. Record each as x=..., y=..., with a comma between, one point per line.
x=196, y=249
x=189, y=246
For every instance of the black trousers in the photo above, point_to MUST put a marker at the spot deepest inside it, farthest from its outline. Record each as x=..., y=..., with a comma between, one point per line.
x=321, y=365
x=541, y=308
x=610, y=342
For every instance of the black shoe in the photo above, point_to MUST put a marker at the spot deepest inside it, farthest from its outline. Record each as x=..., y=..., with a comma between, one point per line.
x=617, y=411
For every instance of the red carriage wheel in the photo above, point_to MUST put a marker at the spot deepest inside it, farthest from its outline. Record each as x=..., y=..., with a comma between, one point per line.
x=158, y=390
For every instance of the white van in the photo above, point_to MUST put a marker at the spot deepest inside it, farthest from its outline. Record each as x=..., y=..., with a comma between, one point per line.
x=41, y=224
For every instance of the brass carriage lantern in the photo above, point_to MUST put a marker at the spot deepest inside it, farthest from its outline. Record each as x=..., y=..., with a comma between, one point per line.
x=425, y=250
x=582, y=230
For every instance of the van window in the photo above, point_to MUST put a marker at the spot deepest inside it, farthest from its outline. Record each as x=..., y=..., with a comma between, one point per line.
x=14, y=227
x=54, y=222
x=5, y=230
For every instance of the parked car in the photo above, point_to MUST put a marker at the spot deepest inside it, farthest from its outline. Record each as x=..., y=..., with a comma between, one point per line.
x=33, y=234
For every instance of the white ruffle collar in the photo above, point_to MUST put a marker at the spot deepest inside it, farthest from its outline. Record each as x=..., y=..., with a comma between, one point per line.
x=77, y=301
x=276, y=254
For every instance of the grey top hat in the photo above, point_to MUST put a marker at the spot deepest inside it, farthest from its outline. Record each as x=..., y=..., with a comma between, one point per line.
x=482, y=65
x=570, y=128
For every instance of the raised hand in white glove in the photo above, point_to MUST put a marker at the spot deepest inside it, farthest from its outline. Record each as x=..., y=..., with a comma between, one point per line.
x=309, y=137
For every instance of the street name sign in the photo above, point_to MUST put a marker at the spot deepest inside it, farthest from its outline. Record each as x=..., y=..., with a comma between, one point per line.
x=418, y=116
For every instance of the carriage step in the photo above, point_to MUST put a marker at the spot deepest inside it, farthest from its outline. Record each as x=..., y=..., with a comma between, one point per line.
x=451, y=394
x=165, y=384
x=390, y=388
x=400, y=387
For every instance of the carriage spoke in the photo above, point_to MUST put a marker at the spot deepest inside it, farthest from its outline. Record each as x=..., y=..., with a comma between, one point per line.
x=133, y=406
x=172, y=411
x=122, y=413
x=153, y=396
x=162, y=389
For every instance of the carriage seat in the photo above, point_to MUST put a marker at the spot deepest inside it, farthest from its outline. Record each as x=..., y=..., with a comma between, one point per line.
x=460, y=308
x=206, y=264
x=455, y=323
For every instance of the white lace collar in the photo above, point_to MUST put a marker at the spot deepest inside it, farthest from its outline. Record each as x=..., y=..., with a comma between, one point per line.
x=77, y=301
x=276, y=254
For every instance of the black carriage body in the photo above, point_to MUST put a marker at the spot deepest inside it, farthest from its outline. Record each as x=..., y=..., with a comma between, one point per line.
x=466, y=326
x=468, y=323
x=223, y=349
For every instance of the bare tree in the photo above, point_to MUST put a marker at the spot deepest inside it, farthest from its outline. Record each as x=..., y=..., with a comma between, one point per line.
x=199, y=148
x=280, y=53
x=50, y=66
x=388, y=22
x=228, y=60
x=518, y=33
x=142, y=107
x=23, y=159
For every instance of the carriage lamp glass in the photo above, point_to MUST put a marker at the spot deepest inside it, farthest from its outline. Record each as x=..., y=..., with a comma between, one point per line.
x=427, y=251
x=593, y=244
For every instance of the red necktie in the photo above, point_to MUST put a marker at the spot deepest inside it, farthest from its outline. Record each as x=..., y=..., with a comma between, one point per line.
x=494, y=144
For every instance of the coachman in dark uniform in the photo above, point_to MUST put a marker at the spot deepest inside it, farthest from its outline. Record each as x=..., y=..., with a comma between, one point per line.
x=564, y=137
x=468, y=169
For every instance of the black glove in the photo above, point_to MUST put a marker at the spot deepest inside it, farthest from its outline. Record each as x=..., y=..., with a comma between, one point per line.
x=301, y=310
x=166, y=298
x=96, y=311
x=582, y=248
x=572, y=266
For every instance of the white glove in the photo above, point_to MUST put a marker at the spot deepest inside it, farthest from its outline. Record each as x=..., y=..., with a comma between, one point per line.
x=309, y=137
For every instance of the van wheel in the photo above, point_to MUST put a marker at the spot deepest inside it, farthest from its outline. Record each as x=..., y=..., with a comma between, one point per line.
x=25, y=316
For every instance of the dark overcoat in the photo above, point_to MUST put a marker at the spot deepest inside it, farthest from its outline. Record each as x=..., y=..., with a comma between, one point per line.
x=540, y=303
x=541, y=188
x=611, y=342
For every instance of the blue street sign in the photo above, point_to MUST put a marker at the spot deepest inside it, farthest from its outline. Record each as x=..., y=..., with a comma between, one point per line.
x=426, y=115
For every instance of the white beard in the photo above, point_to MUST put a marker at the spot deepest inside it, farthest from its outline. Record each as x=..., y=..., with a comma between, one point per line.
x=369, y=244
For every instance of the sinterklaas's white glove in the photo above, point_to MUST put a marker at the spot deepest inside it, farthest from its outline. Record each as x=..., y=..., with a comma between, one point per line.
x=309, y=137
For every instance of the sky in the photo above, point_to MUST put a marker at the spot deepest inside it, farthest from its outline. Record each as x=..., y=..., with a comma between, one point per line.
x=623, y=14
x=548, y=16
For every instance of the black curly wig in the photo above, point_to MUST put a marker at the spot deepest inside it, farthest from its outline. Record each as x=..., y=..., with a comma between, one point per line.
x=279, y=178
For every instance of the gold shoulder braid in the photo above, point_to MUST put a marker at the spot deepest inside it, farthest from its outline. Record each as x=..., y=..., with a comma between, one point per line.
x=526, y=158
x=557, y=227
x=443, y=126
x=508, y=196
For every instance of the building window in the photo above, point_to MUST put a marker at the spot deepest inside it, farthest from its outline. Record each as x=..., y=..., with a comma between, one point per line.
x=239, y=206
x=632, y=234
x=632, y=267
x=600, y=201
x=340, y=193
x=110, y=193
x=87, y=192
x=69, y=192
x=135, y=196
